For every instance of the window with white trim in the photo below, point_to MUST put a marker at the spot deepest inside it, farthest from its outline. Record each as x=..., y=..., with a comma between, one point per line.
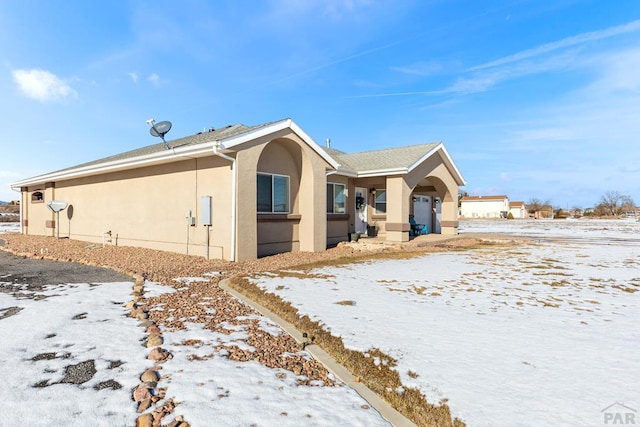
x=273, y=193
x=335, y=198
x=381, y=201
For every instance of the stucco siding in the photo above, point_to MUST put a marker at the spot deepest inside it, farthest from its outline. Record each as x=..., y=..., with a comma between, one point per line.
x=337, y=228
x=38, y=212
x=147, y=207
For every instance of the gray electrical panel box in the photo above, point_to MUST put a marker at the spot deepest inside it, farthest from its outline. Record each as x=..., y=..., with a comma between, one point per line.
x=205, y=212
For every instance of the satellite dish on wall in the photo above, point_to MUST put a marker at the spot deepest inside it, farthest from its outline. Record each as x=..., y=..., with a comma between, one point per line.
x=57, y=205
x=159, y=129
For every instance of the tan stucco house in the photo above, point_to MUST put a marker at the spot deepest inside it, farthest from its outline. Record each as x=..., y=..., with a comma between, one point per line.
x=242, y=192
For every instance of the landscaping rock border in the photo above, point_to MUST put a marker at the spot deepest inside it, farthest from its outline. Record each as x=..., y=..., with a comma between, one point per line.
x=148, y=394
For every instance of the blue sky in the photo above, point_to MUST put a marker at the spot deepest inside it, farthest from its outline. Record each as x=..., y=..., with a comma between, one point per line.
x=533, y=99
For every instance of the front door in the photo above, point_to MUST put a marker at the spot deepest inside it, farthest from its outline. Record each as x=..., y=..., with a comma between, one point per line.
x=361, y=210
x=422, y=211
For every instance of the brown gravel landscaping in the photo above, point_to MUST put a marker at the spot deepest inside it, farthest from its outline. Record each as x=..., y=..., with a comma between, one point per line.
x=206, y=303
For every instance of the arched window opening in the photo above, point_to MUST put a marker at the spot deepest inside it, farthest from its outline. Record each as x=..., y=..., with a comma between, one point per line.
x=37, y=197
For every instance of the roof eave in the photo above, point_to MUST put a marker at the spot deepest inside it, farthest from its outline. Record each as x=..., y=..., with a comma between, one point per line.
x=200, y=149
x=346, y=172
x=118, y=165
x=382, y=172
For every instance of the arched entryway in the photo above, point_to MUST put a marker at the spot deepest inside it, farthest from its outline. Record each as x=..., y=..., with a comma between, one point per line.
x=434, y=202
x=281, y=196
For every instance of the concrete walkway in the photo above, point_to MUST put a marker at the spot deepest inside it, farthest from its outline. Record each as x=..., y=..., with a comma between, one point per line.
x=387, y=412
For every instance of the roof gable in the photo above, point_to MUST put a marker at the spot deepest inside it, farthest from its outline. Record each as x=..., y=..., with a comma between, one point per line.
x=391, y=158
x=398, y=160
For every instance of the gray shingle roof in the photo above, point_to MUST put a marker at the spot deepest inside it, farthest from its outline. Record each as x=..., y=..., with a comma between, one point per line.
x=199, y=138
x=377, y=161
x=390, y=158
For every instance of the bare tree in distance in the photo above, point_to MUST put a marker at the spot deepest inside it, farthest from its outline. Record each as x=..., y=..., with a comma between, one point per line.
x=537, y=204
x=539, y=208
x=576, y=211
x=613, y=203
x=461, y=194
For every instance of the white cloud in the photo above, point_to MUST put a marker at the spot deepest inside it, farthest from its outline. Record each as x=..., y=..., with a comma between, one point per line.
x=562, y=44
x=134, y=76
x=154, y=79
x=505, y=176
x=555, y=56
x=619, y=73
x=483, y=80
x=474, y=84
x=553, y=134
x=337, y=9
x=421, y=69
x=42, y=85
x=334, y=9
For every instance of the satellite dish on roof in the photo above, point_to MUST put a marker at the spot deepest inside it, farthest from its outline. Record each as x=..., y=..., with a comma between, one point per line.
x=159, y=129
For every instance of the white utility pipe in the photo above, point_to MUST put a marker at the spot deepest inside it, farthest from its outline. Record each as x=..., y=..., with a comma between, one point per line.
x=234, y=179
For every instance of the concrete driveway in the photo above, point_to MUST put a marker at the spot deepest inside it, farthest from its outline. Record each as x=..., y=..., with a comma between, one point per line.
x=36, y=273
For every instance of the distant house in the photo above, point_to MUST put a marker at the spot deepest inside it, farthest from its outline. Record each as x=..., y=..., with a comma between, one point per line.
x=542, y=212
x=484, y=206
x=242, y=192
x=517, y=210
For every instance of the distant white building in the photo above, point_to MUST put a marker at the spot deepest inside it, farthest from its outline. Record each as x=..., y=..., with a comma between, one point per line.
x=484, y=206
x=518, y=210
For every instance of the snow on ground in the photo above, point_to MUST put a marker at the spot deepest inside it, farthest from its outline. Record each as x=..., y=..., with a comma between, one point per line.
x=208, y=386
x=64, y=348
x=544, y=333
x=216, y=391
x=583, y=229
x=9, y=227
x=69, y=355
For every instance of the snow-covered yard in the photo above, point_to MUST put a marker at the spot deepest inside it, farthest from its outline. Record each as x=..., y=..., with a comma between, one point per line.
x=544, y=333
x=70, y=356
x=213, y=390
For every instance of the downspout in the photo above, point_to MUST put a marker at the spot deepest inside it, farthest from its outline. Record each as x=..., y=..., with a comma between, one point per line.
x=21, y=203
x=234, y=179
